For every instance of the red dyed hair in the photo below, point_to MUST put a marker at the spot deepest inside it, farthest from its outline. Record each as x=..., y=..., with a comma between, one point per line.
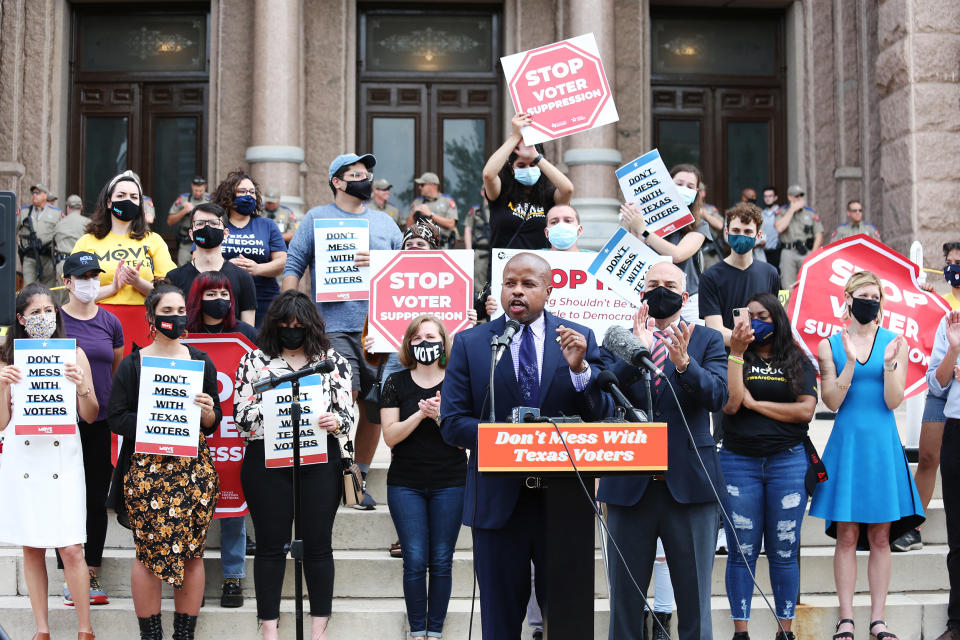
x=205, y=281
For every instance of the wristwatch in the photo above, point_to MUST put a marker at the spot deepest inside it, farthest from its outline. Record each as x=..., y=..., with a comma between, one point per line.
x=645, y=234
x=536, y=160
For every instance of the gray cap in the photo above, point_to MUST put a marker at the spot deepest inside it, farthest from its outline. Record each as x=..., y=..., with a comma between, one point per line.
x=795, y=190
x=74, y=202
x=382, y=183
x=428, y=178
x=40, y=187
x=271, y=195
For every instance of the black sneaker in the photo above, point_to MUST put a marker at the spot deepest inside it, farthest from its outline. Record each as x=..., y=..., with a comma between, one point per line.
x=232, y=594
x=909, y=541
x=251, y=547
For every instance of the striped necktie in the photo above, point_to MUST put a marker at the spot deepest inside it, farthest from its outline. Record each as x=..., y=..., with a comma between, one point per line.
x=659, y=355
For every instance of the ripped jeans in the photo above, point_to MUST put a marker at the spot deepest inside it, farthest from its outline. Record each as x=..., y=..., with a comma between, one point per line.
x=765, y=498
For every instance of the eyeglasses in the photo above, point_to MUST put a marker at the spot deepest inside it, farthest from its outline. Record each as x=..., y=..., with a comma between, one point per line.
x=247, y=192
x=855, y=210
x=200, y=224
x=358, y=175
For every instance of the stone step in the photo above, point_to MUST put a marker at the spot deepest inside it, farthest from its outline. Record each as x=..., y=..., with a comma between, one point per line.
x=914, y=616
x=373, y=574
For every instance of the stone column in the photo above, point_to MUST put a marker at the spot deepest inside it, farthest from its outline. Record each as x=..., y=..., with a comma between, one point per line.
x=592, y=156
x=275, y=153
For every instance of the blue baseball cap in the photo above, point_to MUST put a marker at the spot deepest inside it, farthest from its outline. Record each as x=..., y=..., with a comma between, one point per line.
x=352, y=158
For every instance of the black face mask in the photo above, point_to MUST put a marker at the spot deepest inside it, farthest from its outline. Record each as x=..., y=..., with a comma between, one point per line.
x=291, y=338
x=124, y=210
x=427, y=352
x=171, y=326
x=662, y=303
x=865, y=310
x=216, y=308
x=208, y=237
x=362, y=189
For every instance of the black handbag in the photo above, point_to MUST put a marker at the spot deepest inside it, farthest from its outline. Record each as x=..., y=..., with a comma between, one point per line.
x=371, y=401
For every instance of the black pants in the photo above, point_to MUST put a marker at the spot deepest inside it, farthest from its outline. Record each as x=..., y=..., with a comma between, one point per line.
x=269, y=494
x=950, y=478
x=95, y=441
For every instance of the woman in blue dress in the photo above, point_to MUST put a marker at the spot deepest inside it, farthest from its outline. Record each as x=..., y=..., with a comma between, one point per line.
x=869, y=496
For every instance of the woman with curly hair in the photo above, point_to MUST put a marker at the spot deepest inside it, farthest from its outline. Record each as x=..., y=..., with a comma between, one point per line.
x=253, y=243
x=168, y=501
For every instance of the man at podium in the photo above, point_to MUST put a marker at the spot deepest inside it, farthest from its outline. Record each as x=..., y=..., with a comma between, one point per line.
x=549, y=365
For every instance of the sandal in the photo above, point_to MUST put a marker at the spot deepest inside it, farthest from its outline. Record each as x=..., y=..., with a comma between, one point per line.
x=882, y=634
x=395, y=550
x=844, y=634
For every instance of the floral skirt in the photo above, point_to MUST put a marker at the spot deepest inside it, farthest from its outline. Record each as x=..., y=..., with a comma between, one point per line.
x=170, y=501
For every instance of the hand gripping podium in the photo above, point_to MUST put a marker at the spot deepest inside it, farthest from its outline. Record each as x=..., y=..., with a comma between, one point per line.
x=535, y=451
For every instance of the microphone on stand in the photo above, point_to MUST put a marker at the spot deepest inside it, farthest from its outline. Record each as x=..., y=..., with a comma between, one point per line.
x=622, y=343
x=503, y=341
x=609, y=383
x=272, y=381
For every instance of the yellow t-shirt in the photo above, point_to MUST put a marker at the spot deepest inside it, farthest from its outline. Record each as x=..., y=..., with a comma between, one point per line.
x=152, y=252
x=952, y=300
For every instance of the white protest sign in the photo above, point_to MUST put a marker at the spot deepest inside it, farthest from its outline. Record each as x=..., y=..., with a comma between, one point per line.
x=577, y=295
x=336, y=243
x=277, y=430
x=44, y=401
x=168, y=419
x=646, y=183
x=622, y=264
x=562, y=86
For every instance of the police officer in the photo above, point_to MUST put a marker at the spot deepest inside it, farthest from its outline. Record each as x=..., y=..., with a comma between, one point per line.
x=179, y=215
x=35, y=226
x=854, y=224
x=286, y=218
x=68, y=231
x=438, y=207
x=800, y=232
x=381, y=202
x=476, y=236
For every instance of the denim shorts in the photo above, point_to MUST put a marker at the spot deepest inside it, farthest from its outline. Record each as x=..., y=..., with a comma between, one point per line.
x=933, y=408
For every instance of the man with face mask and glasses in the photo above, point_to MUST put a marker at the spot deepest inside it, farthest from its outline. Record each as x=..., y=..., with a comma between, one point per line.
x=207, y=231
x=351, y=181
x=677, y=506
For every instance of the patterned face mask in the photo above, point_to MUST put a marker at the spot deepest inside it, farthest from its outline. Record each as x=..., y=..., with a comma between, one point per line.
x=40, y=326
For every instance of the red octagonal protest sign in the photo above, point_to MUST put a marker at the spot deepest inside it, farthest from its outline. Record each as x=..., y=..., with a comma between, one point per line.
x=418, y=282
x=562, y=86
x=817, y=307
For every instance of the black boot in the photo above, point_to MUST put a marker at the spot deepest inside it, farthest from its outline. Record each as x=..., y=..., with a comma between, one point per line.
x=643, y=625
x=150, y=628
x=664, y=620
x=183, y=626
x=788, y=636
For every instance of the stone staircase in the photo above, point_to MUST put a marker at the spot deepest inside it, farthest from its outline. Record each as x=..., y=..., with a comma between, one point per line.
x=369, y=598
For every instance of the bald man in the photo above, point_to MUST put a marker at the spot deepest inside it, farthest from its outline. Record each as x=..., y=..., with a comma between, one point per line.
x=551, y=366
x=677, y=506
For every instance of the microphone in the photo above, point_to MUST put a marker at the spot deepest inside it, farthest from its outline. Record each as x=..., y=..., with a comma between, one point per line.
x=622, y=343
x=608, y=382
x=272, y=381
x=504, y=340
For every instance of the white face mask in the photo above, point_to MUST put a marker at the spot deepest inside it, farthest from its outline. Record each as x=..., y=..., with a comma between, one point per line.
x=86, y=290
x=687, y=194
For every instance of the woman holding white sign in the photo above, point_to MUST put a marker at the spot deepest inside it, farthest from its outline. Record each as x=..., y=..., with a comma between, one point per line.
x=43, y=498
x=293, y=337
x=167, y=500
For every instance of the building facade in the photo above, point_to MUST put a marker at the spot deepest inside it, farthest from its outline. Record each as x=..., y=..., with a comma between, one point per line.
x=851, y=98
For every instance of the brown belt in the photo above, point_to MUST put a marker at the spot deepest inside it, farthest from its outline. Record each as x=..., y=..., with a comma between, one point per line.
x=658, y=477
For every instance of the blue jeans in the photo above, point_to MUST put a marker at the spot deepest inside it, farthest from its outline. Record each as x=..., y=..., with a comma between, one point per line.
x=765, y=498
x=233, y=546
x=427, y=522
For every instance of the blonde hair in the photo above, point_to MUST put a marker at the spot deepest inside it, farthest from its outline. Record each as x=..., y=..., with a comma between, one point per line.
x=862, y=279
x=406, y=356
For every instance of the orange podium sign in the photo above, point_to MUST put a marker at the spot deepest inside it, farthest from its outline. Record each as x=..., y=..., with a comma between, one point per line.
x=606, y=447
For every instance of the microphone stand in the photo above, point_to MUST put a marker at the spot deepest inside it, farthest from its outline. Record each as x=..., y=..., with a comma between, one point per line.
x=497, y=346
x=646, y=384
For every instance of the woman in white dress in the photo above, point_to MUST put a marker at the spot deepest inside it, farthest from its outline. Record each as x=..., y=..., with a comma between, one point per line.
x=43, y=493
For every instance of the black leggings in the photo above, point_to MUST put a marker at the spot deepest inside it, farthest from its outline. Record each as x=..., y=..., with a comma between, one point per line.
x=269, y=494
x=95, y=440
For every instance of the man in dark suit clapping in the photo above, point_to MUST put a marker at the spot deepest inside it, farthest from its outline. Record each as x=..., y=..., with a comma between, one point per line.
x=549, y=365
x=678, y=506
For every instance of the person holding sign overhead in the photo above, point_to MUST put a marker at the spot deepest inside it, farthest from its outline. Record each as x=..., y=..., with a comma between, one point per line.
x=43, y=498
x=293, y=337
x=167, y=500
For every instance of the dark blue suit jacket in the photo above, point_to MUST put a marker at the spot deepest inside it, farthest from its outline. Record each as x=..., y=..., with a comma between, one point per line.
x=490, y=499
x=702, y=388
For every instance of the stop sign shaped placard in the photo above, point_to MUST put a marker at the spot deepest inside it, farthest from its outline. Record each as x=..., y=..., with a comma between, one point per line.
x=412, y=283
x=562, y=86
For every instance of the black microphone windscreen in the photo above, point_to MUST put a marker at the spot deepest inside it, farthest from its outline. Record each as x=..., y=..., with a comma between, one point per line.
x=512, y=326
x=621, y=342
x=325, y=366
x=606, y=378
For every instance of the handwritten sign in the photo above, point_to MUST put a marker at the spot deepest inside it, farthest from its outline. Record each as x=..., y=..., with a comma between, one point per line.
x=44, y=401
x=277, y=424
x=336, y=243
x=646, y=183
x=622, y=264
x=168, y=420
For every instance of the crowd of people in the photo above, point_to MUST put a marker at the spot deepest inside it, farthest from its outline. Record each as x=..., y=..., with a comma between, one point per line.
x=738, y=396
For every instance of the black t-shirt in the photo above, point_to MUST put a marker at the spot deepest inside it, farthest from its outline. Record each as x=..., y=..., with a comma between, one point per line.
x=507, y=215
x=748, y=433
x=422, y=460
x=724, y=288
x=242, y=327
x=241, y=284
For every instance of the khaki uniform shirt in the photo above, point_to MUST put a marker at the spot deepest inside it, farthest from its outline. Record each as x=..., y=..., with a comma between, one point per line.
x=286, y=219
x=68, y=231
x=848, y=229
x=444, y=206
x=803, y=227
x=478, y=220
x=44, y=222
x=183, y=227
x=391, y=210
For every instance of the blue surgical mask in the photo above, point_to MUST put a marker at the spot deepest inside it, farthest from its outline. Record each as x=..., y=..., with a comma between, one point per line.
x=741, y=244
x=951, y=274
x=562, y=235
x=762, y=331
x=687, y=194
x=527, y=176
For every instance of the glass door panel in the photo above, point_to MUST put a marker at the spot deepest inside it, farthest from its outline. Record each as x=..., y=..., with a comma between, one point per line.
x=748, y=157
x=464, y=154
x=394, y=143
x=174, y=146
x=679, y=141
x=104, y=154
